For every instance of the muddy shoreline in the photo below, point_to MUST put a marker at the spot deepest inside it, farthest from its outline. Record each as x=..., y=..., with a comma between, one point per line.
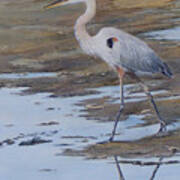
x=44, y=42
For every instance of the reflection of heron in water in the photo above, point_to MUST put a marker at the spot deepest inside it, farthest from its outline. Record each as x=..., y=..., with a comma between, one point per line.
x=125, y=53
x=121, y=176
x=157, y=165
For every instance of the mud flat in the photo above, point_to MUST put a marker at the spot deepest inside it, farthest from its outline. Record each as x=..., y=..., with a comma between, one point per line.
x=34, y=40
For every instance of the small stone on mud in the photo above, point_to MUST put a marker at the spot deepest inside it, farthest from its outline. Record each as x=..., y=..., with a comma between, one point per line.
x=85, y=141
x=63, y=144
x=9, y=141
x=53, y=96
x=47, y=170
x=49, y=123
x=173, y=149
x=145, y=111
x=34, y=141
x=50, y=109
x=89, y=106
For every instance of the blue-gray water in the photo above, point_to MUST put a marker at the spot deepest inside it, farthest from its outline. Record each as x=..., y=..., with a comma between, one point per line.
x=172, y=34
x=21, y=116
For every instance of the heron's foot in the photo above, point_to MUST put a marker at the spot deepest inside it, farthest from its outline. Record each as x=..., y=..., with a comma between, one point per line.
x=111, y=138
x=163, y=127
x=162, y=130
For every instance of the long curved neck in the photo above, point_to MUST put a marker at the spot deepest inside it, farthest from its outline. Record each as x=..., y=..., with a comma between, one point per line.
x=80, y=26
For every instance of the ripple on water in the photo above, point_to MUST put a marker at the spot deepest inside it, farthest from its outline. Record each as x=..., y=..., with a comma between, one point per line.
x=27, y=112
x=27, y=75
x=172, y=34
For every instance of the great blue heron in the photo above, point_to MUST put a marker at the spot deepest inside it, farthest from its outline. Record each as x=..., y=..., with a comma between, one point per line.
x=125, y=53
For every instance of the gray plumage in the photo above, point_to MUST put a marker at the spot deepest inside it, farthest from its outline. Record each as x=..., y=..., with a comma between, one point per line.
x=128, y=52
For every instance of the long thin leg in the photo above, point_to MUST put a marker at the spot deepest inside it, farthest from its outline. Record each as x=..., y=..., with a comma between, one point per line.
x=149, y=95
x=121, y=177
x=162, y=123
x=121, y=107
x=156, y=169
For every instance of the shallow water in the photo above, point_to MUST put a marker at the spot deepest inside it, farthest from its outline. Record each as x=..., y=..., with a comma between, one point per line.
x=172, y=34
x=36, y=38
x=26, y=75
x=22, y=119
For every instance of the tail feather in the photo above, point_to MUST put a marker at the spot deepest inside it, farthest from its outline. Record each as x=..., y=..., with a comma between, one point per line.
x=166, y=70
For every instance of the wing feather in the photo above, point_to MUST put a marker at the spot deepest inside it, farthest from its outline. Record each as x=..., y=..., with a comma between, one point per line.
x=131, y=53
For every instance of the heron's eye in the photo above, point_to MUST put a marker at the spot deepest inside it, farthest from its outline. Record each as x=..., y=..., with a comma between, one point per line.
x=110, y=42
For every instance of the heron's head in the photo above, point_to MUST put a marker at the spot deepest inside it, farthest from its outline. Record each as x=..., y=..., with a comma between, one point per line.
x=58, y=3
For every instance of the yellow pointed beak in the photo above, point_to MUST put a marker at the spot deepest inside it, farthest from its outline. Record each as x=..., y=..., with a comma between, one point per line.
x=55, y=4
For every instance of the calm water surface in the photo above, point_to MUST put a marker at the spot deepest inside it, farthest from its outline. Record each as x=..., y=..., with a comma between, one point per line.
x=20, y=119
